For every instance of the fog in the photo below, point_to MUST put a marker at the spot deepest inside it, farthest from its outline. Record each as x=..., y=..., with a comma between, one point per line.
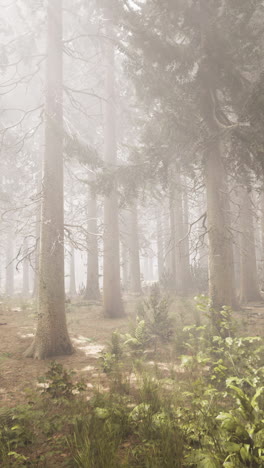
x=131, y=176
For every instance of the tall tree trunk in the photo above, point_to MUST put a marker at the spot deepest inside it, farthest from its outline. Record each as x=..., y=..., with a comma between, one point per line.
x=37, y=233
x=249, y=285
x=52, y=336
x=134, y=262
x=36, y=257
x=92, y=291
x=160, y=245
x=150, y=268
x=167, y=247
x=201, y=274
x=10, y=280
x=112, y=300
x=25, y=288
x=183, y=275
x=187, y=274
x=125, y=265
x=72, y=288
x=172, y=243
x=221, y=262
x=262, y=237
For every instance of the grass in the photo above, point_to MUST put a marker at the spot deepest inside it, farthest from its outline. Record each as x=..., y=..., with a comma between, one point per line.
x=190, y=398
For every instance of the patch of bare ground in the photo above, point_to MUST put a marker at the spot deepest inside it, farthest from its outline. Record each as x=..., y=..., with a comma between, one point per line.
x=89, y=331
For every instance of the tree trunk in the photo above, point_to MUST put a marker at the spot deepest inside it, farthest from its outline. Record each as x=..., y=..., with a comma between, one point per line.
x=262, y=238
x=10, y=280
x=221, y=263
x=249, y=285
x=52, y=336
x=134, y=263
x=167, y=247
x=125, y=266
x=150, y=268
x=25, y=288
x=36, y=256
x=183, y=276
x=172, y=244
x=187, y=275
x=37, y=233
x=112, y=300
x=72, y=288
x=92, y=291
x=160, y=245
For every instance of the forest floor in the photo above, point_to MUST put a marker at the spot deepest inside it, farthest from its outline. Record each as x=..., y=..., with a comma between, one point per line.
x=90, y=333
x=89, y=330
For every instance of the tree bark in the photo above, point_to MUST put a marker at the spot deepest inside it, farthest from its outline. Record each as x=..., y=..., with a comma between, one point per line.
x=25, y=288
x=72, y=288
x=112, y=300
x=262, y=238
x=10, y=280
x=92, y=291
x=183, y=275
x=221, y=262
x=134, y=262
x=160, y=245
x=249, y=285
x=52, y=337
x=172, y=243
x=125, y=266
x=187, y=274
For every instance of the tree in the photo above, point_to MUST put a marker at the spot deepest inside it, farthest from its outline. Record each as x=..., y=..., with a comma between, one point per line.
x=134, y=263
x=52, y=337
x=10, y=279
x=112, y=300
x=188, y=61
x=92, y=290
x=249, y=284
x=26, y=264
x=72, y=288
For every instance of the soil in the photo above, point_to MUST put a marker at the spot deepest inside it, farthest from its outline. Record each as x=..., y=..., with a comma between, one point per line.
x=90, y=332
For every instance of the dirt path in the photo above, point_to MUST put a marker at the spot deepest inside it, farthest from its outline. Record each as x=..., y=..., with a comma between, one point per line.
x=89, y=332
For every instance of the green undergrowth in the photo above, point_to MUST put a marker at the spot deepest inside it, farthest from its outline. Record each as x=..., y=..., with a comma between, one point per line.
x=201, y=407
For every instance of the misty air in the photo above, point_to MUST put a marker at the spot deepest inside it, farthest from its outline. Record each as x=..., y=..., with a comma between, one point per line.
x=132, y=233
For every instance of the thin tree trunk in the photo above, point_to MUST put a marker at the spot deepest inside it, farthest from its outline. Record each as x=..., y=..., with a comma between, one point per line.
x=167, y=247
x=125, y=266
x=221, y=262
x=183, y=276
x=172, y=246
x=36, y=256
x=262, y=237
x=134, y=262
x=10, y=280
x=187, y=275
x=72, y=288
x=112, y=300
x=160, y=245
x=150, y=268
x=146, y=269
x=52, y=336
x=249, y=285
x=25, y=288
x=92, y=291
x=37, y=233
